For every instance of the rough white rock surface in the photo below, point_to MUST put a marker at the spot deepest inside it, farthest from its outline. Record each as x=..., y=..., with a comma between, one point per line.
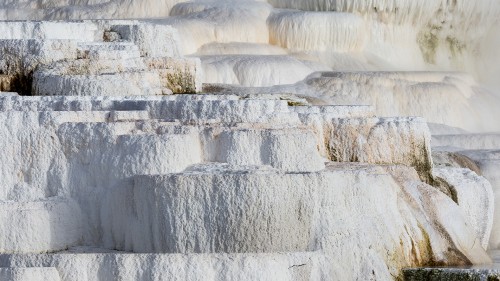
x=474, y=195
x=394, y=34
x=271, y=159
x=471, y=151
x=488, y=162
x=452, y=99
x=51, y=224
x=278, y=172
x=81, y=264
x=369, y=140
x=139, y=57
x=29, y=274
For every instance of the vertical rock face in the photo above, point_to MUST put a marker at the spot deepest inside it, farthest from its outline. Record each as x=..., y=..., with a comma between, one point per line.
x=370, y=140
x=245, y=140
x=35, y=274
x=467, y=186
x=50, y=224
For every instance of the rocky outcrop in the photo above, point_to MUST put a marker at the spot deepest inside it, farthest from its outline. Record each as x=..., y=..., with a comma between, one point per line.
x=212, y=174
x=47, y=58
x=233, y=141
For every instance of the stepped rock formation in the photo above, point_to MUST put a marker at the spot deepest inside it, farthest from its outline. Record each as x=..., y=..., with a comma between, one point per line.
x=247, y=140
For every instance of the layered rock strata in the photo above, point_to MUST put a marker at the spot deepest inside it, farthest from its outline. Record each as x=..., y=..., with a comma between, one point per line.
x=230, y=140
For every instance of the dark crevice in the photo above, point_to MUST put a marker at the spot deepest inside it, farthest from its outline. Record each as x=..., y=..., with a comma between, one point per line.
x=19, y=83
x=297, y=265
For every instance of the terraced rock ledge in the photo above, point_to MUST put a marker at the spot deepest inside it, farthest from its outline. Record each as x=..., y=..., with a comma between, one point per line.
x=249, y=140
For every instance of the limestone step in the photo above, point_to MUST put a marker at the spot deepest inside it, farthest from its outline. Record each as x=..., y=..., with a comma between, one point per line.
x=226, y=208
x=81, y=265
x=107, y=51
x=187, y=108
x=112, y=84
x=45, y=225
x=336, y=111
x=256, y=70
x=98, y=103
x=457, y=101
x=29, y=274
x=287, y=149
x=467, y=141
x=79, y=31
x=484, y=162
x=401, y=140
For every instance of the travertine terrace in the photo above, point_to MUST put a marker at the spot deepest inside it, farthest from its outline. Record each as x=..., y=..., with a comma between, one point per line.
x=247, y=140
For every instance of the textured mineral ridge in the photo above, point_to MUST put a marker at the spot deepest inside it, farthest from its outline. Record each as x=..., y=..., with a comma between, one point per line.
x=249, y=140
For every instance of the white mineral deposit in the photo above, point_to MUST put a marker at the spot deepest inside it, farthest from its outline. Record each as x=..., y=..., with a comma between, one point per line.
x=249, y=140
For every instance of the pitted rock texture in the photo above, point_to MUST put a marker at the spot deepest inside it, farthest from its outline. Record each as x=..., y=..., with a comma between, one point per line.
x=247, y=140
